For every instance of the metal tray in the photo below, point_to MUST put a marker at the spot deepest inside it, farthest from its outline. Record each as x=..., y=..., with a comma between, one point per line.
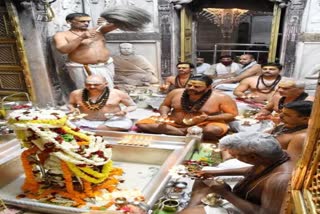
x=154, y=162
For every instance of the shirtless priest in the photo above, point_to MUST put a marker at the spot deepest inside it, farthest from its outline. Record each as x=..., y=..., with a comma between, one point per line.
x=197, y=104
x=86, y=48
x=179, y=81
x=264, y=187
x=260, y=88
x=102, y=106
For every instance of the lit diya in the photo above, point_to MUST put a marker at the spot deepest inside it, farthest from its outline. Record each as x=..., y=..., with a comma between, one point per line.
x=188, y=121
x=158, y=119
x=193, y=119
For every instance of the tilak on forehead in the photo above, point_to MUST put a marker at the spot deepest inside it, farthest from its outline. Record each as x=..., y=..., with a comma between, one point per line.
x=197, y=83
x=83, y=18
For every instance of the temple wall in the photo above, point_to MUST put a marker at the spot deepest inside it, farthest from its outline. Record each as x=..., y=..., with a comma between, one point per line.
x=307, y=65
x=159, y=42
x=34, y=35
x=154, y=42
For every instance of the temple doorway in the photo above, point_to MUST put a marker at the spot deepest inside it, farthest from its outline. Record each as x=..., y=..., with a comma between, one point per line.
x=233, y=28
x=14, y=69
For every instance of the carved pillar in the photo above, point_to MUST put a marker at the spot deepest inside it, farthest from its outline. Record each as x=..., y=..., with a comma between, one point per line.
x=293, y=19
x=35, y=33
x=165, y=24
x=308, y=45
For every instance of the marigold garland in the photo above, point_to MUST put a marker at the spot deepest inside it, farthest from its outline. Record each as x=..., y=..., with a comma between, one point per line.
x=38, y=136
x=56, y=122
x=87, y=188
x=105, y=170
x=30, y=183
x=75, y=133
x=106, y=206
x=67, y=177
x=83, y=143
x=96, y=180
x=108, y=184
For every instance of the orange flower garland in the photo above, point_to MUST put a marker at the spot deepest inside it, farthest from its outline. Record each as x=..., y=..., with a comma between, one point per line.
x=82, y=174
x=87, y=188
x=67, y=177
x=30, y=183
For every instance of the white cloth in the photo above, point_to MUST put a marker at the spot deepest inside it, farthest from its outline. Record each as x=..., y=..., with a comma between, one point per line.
x=202, y=68
x=224, y=208
x=222, y=69
x=226, y=86
x=114, y=122
x=246, y=67
x=78, y=73
x=228, y=164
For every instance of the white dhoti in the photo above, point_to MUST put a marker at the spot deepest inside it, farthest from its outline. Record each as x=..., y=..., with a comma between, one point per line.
x=78, y=73
x=114, y=122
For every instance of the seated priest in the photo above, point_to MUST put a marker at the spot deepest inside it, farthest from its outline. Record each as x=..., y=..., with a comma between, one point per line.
x=197, y=104
x=250, y=68
x=264, y=186
x=292, y=129
x=289, y=90
x=185, y=70
x=260, y=88
x=101, y=105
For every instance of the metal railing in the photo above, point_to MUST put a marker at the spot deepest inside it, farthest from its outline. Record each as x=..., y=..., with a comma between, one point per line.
x=253, y=50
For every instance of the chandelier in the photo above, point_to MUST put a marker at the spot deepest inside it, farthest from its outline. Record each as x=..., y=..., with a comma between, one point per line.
x=226, y=19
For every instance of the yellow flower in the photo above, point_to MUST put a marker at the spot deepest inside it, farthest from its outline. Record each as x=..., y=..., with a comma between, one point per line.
x=75, y=133
x=95, y=177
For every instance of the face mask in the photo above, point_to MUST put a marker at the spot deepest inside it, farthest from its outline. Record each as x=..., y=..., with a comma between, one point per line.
x=226, y=63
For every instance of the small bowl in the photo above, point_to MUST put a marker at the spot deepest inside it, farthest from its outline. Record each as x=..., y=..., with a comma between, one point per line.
x=120, y=201
x=181, y=185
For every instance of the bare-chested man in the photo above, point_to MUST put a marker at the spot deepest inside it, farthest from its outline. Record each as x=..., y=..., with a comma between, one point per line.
x=197, y=104
x=260, y=88
x=179, y=81
x=86, y=49
x=289, y=90
x=265, y=184
x=102, y=105
x=250, y=68
x=292, y=132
